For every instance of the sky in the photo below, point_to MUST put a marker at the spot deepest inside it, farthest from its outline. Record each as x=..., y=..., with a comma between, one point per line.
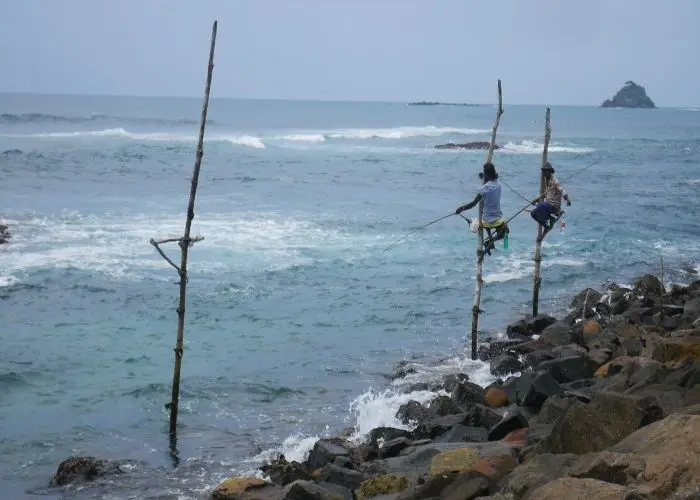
x=551, y=52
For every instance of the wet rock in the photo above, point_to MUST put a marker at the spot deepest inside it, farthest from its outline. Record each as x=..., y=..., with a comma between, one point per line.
x=648, y=286
x=393, y=447
x=468, y=394
x=444, y=405
x=511, y=422
x=589, y=296
x=566, y=351
x=381, y=485
x=536, y=325
x=679, y=348
x=519, y=328
x=554, y=408
x=497, y=347
x=541, y=387
x=568, y=369
x=412, y=411
x=402, y=370
x=605, y=421
x=504, y=364
x=4, y=234
x=451, y=381
x=346, y=478
x=566, y=487
x=435, y=427
x=430, y=487
x=599, y=357
x=244, y=488
x=76, y=469
x=639, y=315
x=386, y=434
x=483, y=416
x=325, y=451
x=282, y=472
x=468, y=145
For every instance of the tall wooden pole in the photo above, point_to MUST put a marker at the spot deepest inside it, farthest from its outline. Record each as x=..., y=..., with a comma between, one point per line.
x=538, y=246
x=184, y=243
x=480, y=248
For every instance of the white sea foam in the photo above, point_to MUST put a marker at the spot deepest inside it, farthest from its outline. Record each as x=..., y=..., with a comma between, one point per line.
x=533, y=147
x=246, y=140
x=6, y=281
x=118, y=246
x=373, y=409
x=304, y=137
x=401, y=132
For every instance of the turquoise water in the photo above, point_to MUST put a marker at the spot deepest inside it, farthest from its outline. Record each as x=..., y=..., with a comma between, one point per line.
x=296, y=313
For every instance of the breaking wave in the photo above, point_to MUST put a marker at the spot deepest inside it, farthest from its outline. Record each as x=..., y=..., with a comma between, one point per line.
x=533, y=147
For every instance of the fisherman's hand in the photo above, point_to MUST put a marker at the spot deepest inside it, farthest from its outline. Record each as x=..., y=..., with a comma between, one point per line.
x=460, y=209
x=568, y=203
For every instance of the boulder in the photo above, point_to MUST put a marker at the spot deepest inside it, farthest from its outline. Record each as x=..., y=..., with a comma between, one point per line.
x=496, y=347
x=605, y=421
x=589, y=296
x=468, y=394
x=517, y=328
x=325, y=452
x=381, y=485
x=566, y=487
x=282, y=472
x=536, y=325
x=77, y=469
x=457, y=460
x=430, y=429
x=402, y=370
x=393, y=447
x=691, y=309
x=504, y=364
x=468, y=145
x=631, y=95
x=659, y=460
x=451, y=381
x=412, y=412
x=386, y=434
x=495, y=397
x=536, y=471
x=683, y=346
x=648, y=286
x=568, y=369
x=558, y=334
x=444, y=405
x=307, y=490
x=512, y=421
x=459, y=433
x=244, y=488
x=347, y=478
x=466, y=486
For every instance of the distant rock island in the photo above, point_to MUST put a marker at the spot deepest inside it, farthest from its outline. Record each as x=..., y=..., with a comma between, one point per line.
x=468, y=145
x=436, y=103
x=630, y=96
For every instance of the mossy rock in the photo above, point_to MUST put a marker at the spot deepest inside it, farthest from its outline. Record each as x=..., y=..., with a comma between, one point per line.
x=459, y=460
x=235, y=487
x=381, y=485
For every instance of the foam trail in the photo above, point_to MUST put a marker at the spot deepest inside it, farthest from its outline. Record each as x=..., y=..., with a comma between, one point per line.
x=304, y=137
x=532, y=147
x=401, y=132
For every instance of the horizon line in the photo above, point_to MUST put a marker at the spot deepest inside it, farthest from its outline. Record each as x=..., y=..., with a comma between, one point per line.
x=294, y=99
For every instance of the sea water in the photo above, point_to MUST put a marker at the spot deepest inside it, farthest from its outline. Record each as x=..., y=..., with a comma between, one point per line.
x=296, y=310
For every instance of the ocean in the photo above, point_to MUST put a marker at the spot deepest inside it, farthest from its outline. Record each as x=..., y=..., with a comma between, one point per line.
x=297, y=311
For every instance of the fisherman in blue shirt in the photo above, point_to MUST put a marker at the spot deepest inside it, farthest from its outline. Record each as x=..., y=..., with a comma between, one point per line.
x=490, y=192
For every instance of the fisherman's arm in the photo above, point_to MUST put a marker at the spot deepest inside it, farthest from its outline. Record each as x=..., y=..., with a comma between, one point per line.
x=469, y=205
x=565, y=195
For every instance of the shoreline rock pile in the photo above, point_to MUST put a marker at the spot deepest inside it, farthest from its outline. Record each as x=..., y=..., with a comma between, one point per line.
x=468, y=145
x=603, y=403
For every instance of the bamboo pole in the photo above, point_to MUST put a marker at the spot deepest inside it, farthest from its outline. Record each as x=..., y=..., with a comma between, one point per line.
x=480, y=248
x=185, y=243
x=538, y=248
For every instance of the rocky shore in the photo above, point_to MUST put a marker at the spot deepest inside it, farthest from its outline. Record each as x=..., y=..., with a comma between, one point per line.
x=4, y=234
x=601, y=404
x=468, y=145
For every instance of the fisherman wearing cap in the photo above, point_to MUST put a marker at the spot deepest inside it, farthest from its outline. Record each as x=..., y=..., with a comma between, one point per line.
x=490, y=192
x=548, y=211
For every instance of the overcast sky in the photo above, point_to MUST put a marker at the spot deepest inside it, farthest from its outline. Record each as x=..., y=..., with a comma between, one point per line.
x=545, y=51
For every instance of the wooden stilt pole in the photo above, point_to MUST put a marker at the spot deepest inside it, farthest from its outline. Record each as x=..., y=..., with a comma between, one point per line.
x=480, y=247
x=185, y=243
x=538, y=248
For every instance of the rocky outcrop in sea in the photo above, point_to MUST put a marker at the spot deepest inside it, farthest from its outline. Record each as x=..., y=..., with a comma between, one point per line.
x=602, y=403
x=630, y=96
x=4, y=234
x=467, y=145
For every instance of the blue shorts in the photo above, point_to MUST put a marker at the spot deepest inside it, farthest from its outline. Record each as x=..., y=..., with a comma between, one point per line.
x=543, y=211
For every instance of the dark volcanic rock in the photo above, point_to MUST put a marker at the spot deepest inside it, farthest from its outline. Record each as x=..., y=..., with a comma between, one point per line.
x=630, y=96
x=496, y=347
x=536, y=325
x=325, y=451
x=82, y=469
x=468, y=394
x=504, y=364
x=468, y=145
x=648, y=286
x=4, y=234
x=412, y=411
x=514, y=421
x=569, y=369
x=282, y=472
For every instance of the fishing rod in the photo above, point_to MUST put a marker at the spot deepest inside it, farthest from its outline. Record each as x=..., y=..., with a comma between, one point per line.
x=540, y=196
x=419, y=229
